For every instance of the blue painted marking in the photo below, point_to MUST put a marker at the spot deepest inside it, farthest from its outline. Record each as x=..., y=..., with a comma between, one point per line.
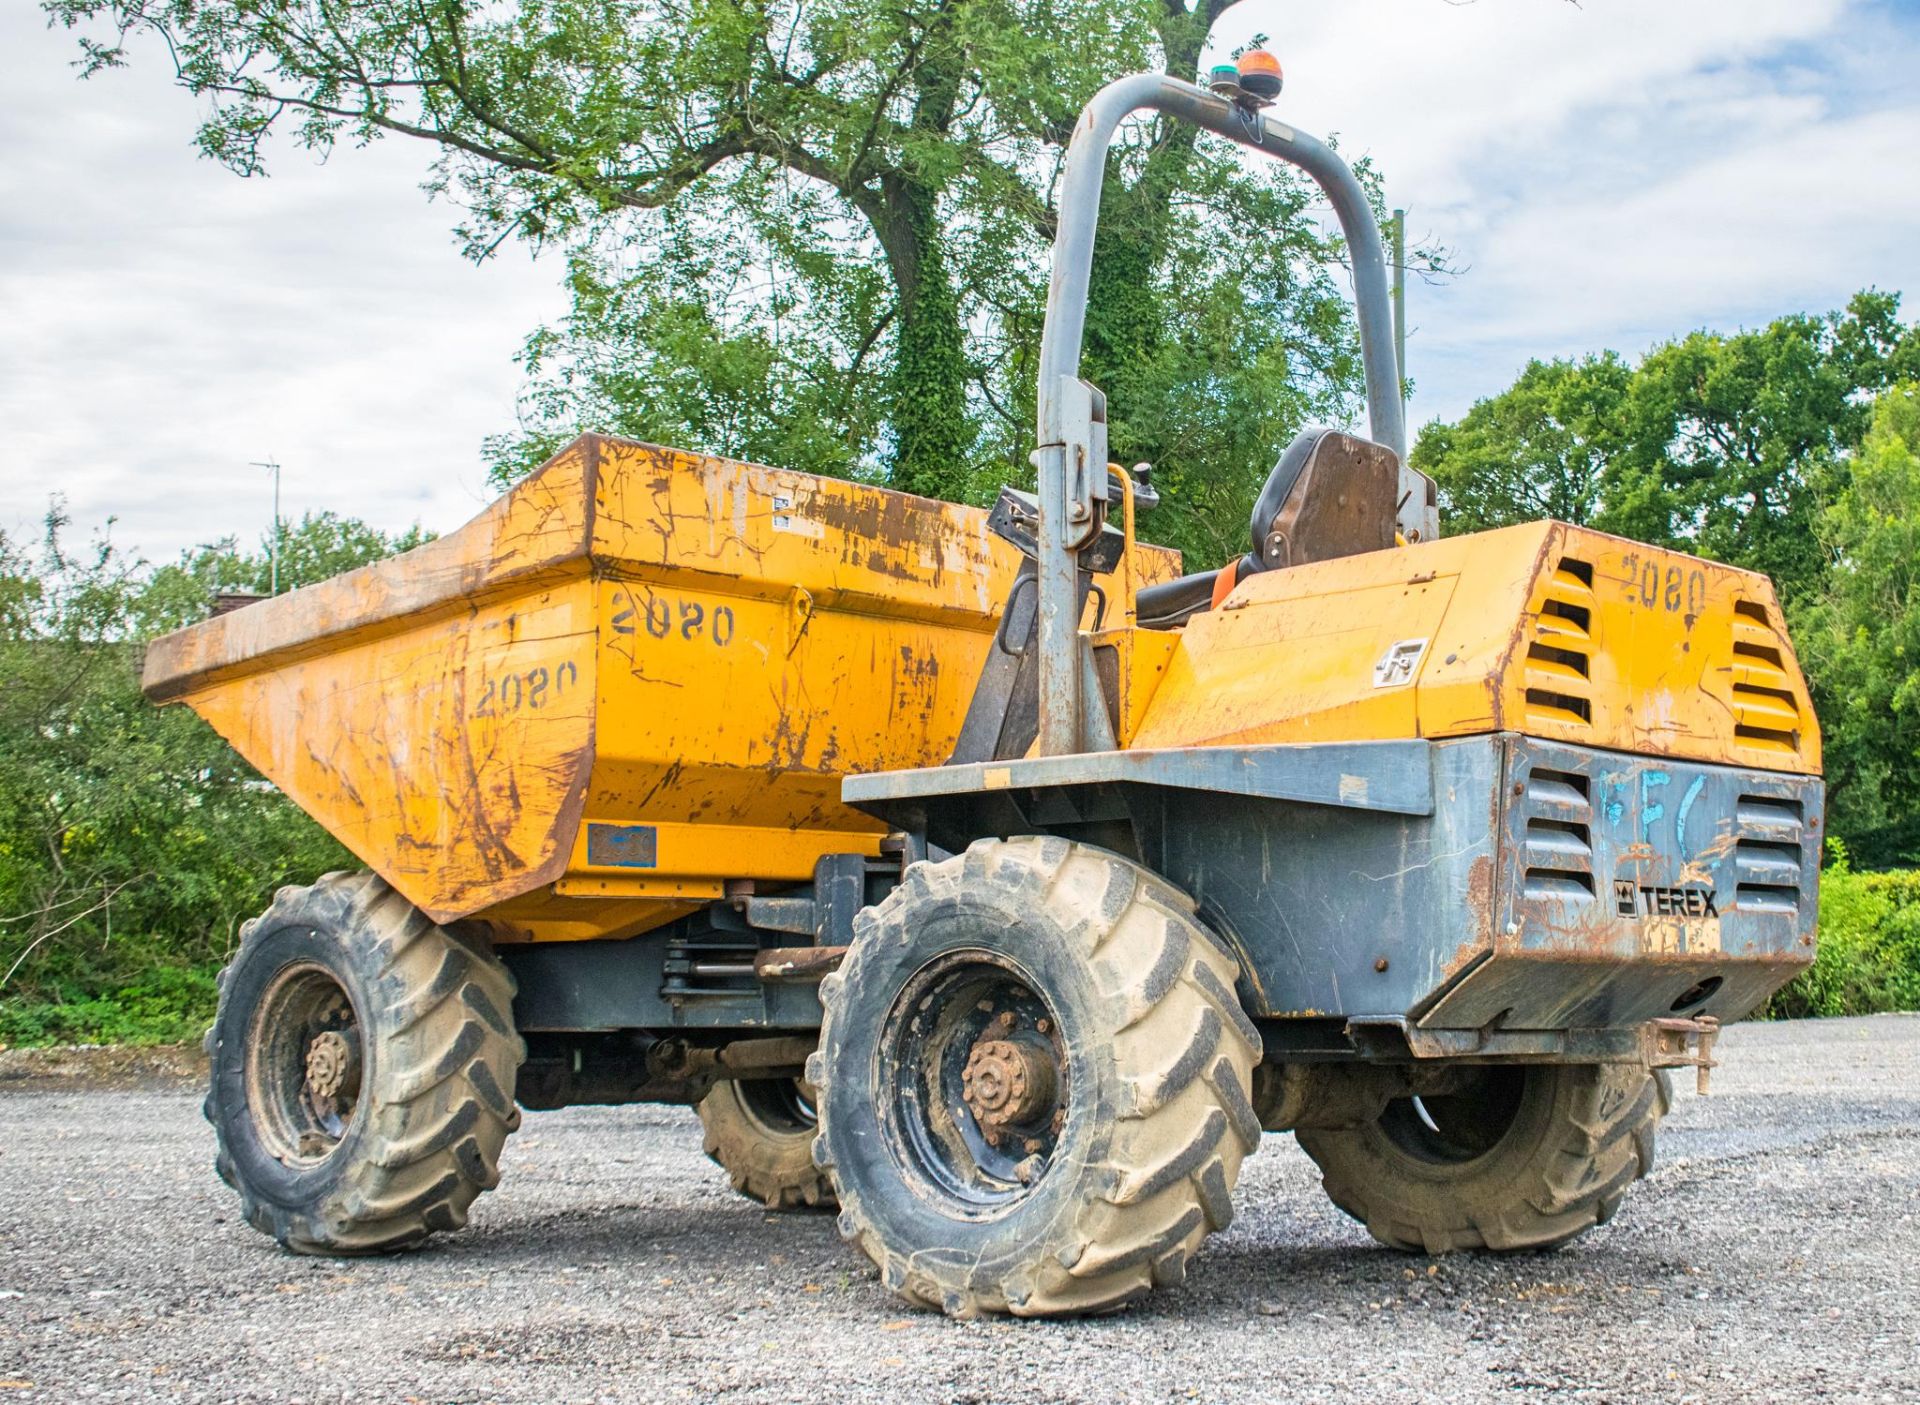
x=1613, y=809
x=1686, y=804
x=1651, y=809
x=622, y=845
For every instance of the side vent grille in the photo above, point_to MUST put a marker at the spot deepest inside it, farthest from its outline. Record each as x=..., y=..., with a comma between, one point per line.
x=1766, y=716
x=1560, y=655
x=1559, y=837
x=1766, y=856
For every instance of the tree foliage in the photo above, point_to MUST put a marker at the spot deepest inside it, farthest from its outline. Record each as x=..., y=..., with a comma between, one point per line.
x=1554, y=444
x=1859, y=638
x=133, y=841
x=814, y=232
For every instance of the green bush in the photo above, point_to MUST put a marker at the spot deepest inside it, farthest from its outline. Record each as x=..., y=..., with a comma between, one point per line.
x=1869, y=953
x=167, y=1005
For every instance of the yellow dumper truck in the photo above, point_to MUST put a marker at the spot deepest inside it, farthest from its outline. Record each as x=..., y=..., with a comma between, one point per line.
x=980, y=876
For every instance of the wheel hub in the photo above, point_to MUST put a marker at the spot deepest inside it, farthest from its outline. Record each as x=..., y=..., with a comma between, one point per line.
x=985, y=1081
x=1006, y=1082
x=333, y=1066
x=304, y=1064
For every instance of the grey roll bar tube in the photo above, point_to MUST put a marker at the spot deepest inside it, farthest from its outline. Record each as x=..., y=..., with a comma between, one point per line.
x=1072, y=456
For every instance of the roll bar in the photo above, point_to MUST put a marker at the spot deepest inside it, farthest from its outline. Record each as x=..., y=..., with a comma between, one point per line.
x=1072, y=457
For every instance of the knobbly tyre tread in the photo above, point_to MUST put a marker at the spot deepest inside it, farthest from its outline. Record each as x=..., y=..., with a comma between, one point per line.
x=439, y=1103
x=1533, y=1193
x=771, y=1165
x=1184, y=1052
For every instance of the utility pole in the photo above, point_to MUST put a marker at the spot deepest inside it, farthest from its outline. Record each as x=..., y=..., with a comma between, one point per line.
x=273, y=550
x=1400, y=298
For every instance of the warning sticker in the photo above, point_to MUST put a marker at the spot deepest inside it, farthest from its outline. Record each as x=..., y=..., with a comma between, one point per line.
x=786, y=520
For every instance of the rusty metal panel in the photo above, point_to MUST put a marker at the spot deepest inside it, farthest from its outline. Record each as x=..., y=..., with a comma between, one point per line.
x=1291, y=656
x=623, y=845
x=1545, y=629
x=1629, y=884
x=1387, y=775
x=434, y=711
x=1636, y=649
x=451, y=757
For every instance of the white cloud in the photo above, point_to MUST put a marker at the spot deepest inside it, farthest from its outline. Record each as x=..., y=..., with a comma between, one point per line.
x=1618, y=172
x=1433, y=89
x=1755, y=231
x=166, y=323
x=1610, y=174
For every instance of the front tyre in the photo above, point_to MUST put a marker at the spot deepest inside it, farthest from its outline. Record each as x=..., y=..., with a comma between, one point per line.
x=1516, y=1156
x=363, y=1064
x=1034, y=1082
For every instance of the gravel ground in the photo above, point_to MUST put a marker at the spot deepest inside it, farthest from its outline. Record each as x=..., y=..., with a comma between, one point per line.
x=1774, y=1255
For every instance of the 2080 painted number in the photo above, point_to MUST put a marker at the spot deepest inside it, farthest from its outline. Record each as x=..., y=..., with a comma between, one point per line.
x=1672, y=589
x=536, y=688
x=663, y=617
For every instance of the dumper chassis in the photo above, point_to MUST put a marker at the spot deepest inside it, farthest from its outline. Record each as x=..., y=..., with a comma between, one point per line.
x=979, y=877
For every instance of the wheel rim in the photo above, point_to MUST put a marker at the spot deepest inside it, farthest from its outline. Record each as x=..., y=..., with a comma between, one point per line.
x=305, y=1059
x=981, y=1100
x=780, y=1105
x=1456, y=1128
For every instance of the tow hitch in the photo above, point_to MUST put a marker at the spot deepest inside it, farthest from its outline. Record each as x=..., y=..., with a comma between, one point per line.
x=1680, y=1043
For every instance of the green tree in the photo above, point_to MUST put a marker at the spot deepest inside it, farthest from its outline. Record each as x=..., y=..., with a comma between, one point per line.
x=813, y=231
x=317, y=547
x=133, y=841
x=1859, y=640
x=1551, y=445
x=1739, y=433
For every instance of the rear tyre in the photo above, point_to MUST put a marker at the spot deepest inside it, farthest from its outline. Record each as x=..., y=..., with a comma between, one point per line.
x=760, y=1131
x=1034, y=1082
x=363, y=1064
x=1521, y=1157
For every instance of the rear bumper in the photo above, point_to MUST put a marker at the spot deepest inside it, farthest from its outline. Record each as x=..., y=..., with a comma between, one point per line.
x=1546, y=897
x=1635, y=888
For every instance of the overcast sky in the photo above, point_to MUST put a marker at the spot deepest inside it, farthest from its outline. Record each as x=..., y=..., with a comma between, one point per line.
x=1607, y=175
